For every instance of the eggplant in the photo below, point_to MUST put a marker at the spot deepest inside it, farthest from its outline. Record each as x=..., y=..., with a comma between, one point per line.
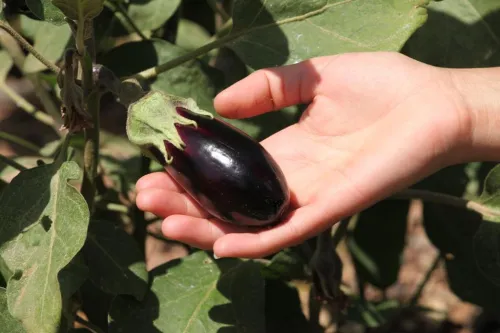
x=226, y=172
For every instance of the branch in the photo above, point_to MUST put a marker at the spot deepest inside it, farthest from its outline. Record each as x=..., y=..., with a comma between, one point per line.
x=20, y=141
x=12, y=163
x=155, y=71
x=446, y=199
x=119, y=8
x=24, y=43
x=22, y=103
x=426, y=279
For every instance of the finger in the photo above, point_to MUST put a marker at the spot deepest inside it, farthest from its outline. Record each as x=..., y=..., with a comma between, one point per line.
x=197, y=232
x=271, y=89
x=295, y=230
x=163, y=203
x=298, y=226
x=157, y=180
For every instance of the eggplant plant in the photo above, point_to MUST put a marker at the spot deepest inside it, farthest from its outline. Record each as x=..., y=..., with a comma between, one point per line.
x=116, y=89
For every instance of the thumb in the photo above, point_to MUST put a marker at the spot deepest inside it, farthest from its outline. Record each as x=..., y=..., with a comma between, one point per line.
x=271, y=89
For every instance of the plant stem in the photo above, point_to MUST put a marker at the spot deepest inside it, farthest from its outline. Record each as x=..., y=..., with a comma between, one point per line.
x=12, y=163
x=24, y=43
x=20, y=141
x=424, y=281
x=114, y=207
x=340, y=232
x=89, y=325
x=119, y=8
x=91, y=98
x=22, y=103
x=446, y=199
x=153, y=72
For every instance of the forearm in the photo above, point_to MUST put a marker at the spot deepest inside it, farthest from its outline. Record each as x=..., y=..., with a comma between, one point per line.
x=479, y=91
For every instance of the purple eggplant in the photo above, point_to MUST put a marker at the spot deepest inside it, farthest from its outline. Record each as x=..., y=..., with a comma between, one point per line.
x=227, y=172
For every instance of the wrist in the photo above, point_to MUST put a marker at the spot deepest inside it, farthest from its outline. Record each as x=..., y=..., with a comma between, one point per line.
x=478, y=91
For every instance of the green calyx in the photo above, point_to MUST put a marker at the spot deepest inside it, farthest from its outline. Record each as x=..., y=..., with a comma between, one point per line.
x=151, y=120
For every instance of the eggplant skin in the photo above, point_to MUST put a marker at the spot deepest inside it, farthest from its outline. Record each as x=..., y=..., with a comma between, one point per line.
x=228, y=173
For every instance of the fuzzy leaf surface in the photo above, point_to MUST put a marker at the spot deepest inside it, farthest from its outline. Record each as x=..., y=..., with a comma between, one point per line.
x=7, y=322
x=277, y=32
x=462, y=33
x=196, y=294
x=45, y=10
x=115, y=261
x=43, y=225
x=150, y=15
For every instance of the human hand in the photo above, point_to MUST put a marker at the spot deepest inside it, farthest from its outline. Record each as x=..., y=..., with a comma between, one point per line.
x=376, y=123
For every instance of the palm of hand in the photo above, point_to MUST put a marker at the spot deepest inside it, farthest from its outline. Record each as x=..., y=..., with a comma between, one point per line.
x=373, y=126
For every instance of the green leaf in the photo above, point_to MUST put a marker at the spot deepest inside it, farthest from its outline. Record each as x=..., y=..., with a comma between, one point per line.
x=116, y=264
x=46, y=11
x=5, y=65
x=151, y=121
x=152, y=14
x=453, y=231
x=76, y=9
x=458, y=34
x=196, y=294
x=490, y=198
x=277, y=32
x=378, y=241
x=191, y=35
x=7, y=322
x=487, y=250
x=50, y=42
x=286, y=265
x=43, y=225
x=73, y=276
x=283, y=309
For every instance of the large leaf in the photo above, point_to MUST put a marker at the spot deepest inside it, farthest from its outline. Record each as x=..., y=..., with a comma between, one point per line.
x=50, y=42
x=463, y=33
x=277, y=32
x=115, y=261
x=46, y=11
x=191, y=35
x=283, y=309
x=378, y=242
x=487, y=250
x=196, y=294
x=7, y=322
x=193, y=79
x=43, y=225
x=285, y=265
x=152, y=14
x=452, y=231
x=80, y=9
